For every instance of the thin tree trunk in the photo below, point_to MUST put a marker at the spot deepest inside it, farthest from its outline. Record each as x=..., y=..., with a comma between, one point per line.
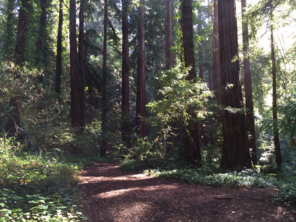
x=81, y=62
x=216, y=80
x=40, y=50
x=169, y=43
x=59, y=52
x=141, y=76
x=248, y=88
x=278, y=156
x=74, y=76
x=104, y=82
x=235, y=151
x=187, y=29
x=126, y=132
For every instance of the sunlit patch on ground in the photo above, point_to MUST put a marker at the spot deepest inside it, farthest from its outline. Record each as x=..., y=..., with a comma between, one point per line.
x=110, y=194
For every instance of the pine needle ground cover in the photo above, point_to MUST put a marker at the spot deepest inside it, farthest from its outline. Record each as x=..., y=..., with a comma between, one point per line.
x=209, y=176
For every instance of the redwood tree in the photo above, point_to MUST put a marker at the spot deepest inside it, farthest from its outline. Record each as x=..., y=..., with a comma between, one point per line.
x=169, y=42
x=81, y=62
x=187, y=30
x=235, y=150
x=59, y=51
x=22, y=32
x=216, y=77
x=200, y=48
x=141, y=75
x=9, y=31
x=248, y=88
x=276, y=138
x=40, y=49
x=74, y=76
x=104, y=82
x=201, y=75
x=125, y=76
x=14, y=119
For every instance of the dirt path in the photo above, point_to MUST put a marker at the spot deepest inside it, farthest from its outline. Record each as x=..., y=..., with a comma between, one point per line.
x=110, y=194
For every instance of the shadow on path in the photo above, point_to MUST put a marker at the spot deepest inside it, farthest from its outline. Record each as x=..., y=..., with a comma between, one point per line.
x=110, y=194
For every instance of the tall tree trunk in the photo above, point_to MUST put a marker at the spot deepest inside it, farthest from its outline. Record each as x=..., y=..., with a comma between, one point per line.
x=141, y=76
x=104, y=82
x=235, y=151
x=278, y=156
x=248, y=88
x=9, y=31
x=22, y=32
x=126, y=131
x=216, y=77
x=40, y=50
x=74, y=76
x=169, y=42
x=14, y=119
x=59, y=52
x=187, y=29
x=201, y=76
x=200, y=50
x=81, y=62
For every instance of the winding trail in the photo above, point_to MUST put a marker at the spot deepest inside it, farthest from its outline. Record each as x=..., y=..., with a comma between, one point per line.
x=110, y=194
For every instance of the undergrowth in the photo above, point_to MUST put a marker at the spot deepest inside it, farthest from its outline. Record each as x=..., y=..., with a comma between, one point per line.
x=209, y=176
x=39, y=187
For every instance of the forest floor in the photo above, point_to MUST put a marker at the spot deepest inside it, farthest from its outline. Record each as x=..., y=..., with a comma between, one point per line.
x=111, y=194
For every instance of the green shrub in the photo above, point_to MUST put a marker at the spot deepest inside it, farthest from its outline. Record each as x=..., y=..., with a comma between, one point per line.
x=28, y=183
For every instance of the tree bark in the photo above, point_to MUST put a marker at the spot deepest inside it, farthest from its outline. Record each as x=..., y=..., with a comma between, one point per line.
x=216, y=77
x=126, y=132
x=187, y=30
x=235, y=151
x=278, y=156
x=74, y=76
x=81, y=62
x=14, y=119
x=59, y=51
x=10, y=31
x=248, y=88
x=200, y=50
x=22, y=32
x=40, y=50
x=169, y=43
x=204, y=135
x=104, y=82
x=142, y=130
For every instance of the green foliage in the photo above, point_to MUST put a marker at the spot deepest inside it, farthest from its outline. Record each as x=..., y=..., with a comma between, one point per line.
x=39, y=187
x=180, y=102
x=287, y=192
x=28, y=186
x=209, y=177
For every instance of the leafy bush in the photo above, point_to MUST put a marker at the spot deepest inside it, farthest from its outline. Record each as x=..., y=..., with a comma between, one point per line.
x=206, y=176
x=287, y=192
x=28, y=185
